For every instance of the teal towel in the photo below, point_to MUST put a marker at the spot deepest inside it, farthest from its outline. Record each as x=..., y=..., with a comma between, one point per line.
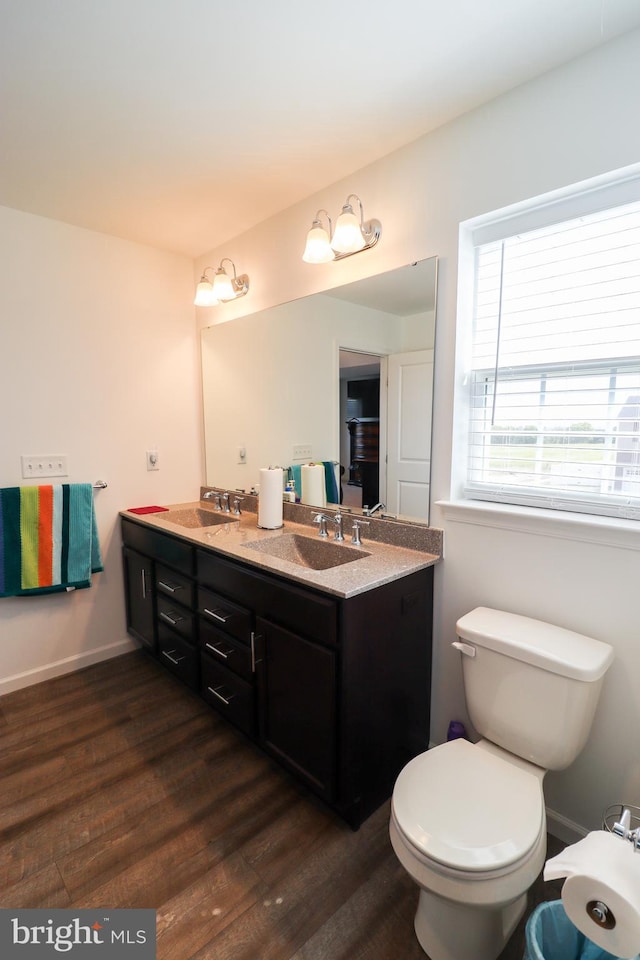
x=48, y=539
x=330, y=483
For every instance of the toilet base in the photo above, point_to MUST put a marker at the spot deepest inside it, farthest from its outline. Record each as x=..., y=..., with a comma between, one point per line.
x=454, y=931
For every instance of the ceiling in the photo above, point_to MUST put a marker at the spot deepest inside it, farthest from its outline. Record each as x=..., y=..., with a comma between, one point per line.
x=182, y=123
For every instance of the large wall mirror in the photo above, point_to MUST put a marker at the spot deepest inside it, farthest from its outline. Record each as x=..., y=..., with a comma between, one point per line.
x=343, y=377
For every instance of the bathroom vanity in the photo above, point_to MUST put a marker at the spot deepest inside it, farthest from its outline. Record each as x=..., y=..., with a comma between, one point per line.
x=327, y=670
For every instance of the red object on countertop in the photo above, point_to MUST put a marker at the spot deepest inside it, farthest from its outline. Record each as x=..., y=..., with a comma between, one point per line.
x=146, y=509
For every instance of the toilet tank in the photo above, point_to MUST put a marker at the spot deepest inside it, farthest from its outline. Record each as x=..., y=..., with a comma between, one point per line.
x=532, y=688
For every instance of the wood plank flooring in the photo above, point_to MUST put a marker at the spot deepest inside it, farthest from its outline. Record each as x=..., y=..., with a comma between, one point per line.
x=121, y=788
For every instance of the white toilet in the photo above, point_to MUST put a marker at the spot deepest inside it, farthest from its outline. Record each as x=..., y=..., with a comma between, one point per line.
x=468, y=820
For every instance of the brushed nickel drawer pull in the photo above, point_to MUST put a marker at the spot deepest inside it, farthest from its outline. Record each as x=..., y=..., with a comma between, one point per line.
x=217, y=650
x=168, y=588
x=144, y=583
x=219, y=695
x=217, y=616
x=254, y=659
x=165, y=616
x=171, y=659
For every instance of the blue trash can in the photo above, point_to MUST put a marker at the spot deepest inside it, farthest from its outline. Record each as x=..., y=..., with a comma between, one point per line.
x=550, y=935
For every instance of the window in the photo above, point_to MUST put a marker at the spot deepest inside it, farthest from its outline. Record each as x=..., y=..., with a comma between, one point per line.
x=554, y=384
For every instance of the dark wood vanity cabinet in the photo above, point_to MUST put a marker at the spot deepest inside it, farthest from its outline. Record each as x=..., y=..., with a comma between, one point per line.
x=160, y=597
x=138, y=576
x=336, y=690
x=298, y=698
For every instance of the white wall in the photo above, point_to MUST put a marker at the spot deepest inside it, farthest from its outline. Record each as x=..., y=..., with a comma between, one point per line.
x=98, y=361
x=569, y=125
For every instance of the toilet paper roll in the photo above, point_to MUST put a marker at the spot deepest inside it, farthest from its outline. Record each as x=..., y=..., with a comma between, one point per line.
x=270, y=498
x=313, y=486
x=601, y=895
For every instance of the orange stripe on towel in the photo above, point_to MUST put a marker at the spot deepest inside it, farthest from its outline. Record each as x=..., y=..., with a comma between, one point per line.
x=45, y=537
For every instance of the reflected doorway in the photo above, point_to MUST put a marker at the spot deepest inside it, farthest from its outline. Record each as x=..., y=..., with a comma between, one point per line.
x=362, y=397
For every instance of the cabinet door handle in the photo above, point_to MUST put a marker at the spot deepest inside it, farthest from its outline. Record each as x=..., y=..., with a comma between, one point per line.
x=221, y=653
x=168, y=588
x=216, y=615
x=169, y=657
x=144, y=583
x=254, y=659
x=219, y=695
x=165, y=616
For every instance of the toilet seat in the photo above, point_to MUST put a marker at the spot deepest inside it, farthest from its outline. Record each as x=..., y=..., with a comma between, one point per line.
x=466, y=810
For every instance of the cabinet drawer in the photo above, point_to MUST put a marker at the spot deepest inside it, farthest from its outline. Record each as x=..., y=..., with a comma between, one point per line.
x=179, y=656
x=225, y=615
x=304, y=611
x=178, y=618
x=174, y=585
x=226, y=650
x=225, y=691
x=176, y=553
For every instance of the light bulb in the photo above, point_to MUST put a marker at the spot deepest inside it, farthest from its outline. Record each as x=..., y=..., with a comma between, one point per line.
x=222, y=286
x=318, y=247
x=205, y=296
x=347, y=237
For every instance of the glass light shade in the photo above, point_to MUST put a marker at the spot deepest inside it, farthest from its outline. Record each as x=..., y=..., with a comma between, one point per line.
x=347, y=236
x=205, y=296
x=318, y=247
x=222, y=286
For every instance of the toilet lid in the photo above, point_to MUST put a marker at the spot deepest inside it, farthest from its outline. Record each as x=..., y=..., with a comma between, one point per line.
x=468, y=809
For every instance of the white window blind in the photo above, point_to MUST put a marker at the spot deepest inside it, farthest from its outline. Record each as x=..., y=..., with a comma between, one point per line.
x=555, y=380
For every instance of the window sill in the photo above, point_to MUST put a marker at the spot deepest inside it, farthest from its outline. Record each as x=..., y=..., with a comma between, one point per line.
x=606, y=531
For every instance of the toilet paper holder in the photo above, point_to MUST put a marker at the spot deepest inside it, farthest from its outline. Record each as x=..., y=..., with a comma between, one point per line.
x=622, y=822
x=601, y=914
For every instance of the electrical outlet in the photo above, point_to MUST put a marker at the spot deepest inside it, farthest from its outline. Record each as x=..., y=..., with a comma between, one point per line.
x=46, y=465
x=153, y=461
x=302, y=451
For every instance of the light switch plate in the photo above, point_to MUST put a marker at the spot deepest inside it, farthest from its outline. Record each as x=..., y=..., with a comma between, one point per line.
x=302, y=451
x=44, y=465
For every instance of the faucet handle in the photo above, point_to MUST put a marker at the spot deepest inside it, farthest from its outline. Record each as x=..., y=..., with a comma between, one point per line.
x=321, y=519
x=357, y=524
x=236, y=505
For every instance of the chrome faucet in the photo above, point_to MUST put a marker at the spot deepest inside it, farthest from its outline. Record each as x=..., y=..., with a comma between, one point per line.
x=338, y=519
x=225, y=503
x=236, y=505
x=369, y=511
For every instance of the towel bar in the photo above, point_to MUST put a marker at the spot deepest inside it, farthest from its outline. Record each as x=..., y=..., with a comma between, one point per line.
x=100, y=485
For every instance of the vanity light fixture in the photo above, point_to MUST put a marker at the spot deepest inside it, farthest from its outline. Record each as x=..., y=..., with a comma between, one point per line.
x=350, y=236
x=222, y=288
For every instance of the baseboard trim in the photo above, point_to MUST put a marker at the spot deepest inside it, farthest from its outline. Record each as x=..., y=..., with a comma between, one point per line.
x=68, y=665
x=564, y=829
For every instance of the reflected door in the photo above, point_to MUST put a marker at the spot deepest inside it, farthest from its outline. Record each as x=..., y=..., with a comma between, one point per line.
x=410, y=401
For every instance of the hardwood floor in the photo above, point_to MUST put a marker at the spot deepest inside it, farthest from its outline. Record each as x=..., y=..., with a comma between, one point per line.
x=120, y=788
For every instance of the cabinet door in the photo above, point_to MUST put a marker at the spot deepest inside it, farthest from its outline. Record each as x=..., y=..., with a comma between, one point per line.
x=138, y=578
x=297, y=704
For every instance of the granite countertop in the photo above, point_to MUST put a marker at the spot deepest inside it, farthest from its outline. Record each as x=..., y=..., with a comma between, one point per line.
x=384, y=562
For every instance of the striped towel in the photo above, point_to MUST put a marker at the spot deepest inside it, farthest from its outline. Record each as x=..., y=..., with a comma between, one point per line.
x=48, y=539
